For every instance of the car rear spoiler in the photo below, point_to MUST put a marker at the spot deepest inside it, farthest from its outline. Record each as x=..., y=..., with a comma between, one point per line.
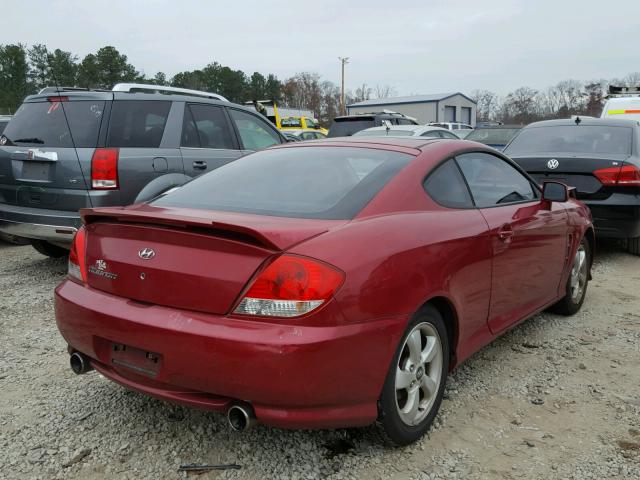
x=271, y=237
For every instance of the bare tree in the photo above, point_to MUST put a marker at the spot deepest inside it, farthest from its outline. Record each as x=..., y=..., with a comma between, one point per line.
x=384, y=91
x=363, y=92
x=487, y=104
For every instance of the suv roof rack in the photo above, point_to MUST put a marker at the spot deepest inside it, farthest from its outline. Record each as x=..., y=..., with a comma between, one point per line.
x=617, y=91
x=143, y=87
x=70, y=89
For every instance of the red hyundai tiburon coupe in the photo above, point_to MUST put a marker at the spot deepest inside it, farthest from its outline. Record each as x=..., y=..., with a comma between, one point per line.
x=323, y=284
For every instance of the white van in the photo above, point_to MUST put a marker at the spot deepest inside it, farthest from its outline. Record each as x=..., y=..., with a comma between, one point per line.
x=622, y=106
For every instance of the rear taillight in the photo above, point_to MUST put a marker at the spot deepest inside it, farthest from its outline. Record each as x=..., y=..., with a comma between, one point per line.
x=77, y=260
x=625, y=176
x=104, y=169
x=291, y=286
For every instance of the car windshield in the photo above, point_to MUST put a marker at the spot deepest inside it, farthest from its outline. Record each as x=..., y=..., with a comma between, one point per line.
x=291, y=122
x=393, y=132
x=298, y=182
x=573, y=139
x=492, y=136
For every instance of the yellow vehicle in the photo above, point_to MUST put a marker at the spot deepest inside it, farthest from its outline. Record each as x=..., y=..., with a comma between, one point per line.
x=301, y=123
x=286, y=118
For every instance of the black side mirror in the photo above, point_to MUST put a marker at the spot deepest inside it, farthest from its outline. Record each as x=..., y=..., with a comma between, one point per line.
x=555, y=192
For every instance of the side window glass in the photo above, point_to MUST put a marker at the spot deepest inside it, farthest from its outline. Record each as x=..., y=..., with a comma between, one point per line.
x=310, y=123
x=255, y=133
x=447, y=187
x=493, y=181
x=211, y=126
x=137, y=123
x=449, y=135
x=189, y=130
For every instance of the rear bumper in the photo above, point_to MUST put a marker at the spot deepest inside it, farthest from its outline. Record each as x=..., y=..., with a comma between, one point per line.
x=293, y=376
x=616, y=217
x=40, y=224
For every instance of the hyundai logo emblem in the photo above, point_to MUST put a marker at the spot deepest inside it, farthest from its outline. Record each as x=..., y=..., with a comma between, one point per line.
x=146, y=254
x=553, y=164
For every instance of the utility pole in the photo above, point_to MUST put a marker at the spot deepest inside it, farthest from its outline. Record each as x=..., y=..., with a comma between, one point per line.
x=343, y=108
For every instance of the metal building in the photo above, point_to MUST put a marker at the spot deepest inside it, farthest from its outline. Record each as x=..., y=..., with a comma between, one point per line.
x=438, y=107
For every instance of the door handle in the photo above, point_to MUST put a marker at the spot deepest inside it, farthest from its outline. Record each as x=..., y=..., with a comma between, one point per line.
x=505, y=233
x=200, y=165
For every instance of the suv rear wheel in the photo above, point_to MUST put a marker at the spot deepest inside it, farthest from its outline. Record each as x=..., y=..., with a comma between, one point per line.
x=49, y=249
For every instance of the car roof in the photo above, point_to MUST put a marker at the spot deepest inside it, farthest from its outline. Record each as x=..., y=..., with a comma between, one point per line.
x=602, y=122
x=401, y=143
x=426, y=128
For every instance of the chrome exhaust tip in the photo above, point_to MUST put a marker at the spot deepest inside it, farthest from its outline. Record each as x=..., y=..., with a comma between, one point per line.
x=79, y=363
x=240, y=417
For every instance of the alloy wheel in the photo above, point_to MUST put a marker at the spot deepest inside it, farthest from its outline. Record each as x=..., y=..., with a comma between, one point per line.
x=579, y=273
x=418, y=373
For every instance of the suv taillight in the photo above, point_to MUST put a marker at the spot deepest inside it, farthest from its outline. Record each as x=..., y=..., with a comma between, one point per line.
x=77, y=261
x=104, y=169
x=291, y=286
x=625, y=176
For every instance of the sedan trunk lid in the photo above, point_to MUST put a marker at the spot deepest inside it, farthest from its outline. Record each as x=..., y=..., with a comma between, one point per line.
x=190, y=259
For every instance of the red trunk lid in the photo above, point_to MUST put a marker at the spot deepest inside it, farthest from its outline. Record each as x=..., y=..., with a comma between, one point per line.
x=191, y=259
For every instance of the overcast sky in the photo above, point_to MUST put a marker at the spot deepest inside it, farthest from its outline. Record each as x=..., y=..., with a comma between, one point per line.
x=422, y=46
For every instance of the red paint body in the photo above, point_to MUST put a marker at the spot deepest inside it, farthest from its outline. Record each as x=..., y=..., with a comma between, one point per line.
x=325, y=369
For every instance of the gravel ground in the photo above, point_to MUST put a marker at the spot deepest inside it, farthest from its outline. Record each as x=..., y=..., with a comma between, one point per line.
x=554, y=398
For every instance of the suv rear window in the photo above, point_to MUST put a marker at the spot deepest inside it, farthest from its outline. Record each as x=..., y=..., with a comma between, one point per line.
x=573, y=139
x=302, y=182
x=345, y=127
x=137, y=123
x=45, y=124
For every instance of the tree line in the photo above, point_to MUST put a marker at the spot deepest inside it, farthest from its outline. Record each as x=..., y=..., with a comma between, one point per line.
x=25, y=70
x=568, y=97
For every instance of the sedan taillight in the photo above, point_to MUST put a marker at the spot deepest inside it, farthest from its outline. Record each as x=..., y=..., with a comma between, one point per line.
x=291, y=286
x=77, y=261
x=625, y=176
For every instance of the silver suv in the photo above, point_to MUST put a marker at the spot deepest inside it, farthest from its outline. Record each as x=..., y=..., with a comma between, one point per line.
x=66, y=149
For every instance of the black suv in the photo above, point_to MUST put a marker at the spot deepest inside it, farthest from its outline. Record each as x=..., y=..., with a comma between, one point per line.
x=349, y=124
x=66, y=149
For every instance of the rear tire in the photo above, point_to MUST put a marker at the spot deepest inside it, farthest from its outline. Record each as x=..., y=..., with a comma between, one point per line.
x=633, y=245
x=49, y=249
x=414, y=386
x=577, y=282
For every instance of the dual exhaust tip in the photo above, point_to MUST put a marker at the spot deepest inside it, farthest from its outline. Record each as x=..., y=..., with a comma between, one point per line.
x=240, y=416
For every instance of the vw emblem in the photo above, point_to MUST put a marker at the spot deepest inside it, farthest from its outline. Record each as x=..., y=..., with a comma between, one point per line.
x=553, y=164
x=146, y=254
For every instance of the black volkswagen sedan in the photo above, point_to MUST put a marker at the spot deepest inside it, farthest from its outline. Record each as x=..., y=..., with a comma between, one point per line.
x=599, y=157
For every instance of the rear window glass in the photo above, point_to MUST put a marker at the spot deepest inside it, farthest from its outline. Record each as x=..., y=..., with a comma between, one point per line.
x=3, y=125
x=492, y=136
x=573, y=139
x=45, y=123
x=137, y=123
x=347, y=127
x=317, y=182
